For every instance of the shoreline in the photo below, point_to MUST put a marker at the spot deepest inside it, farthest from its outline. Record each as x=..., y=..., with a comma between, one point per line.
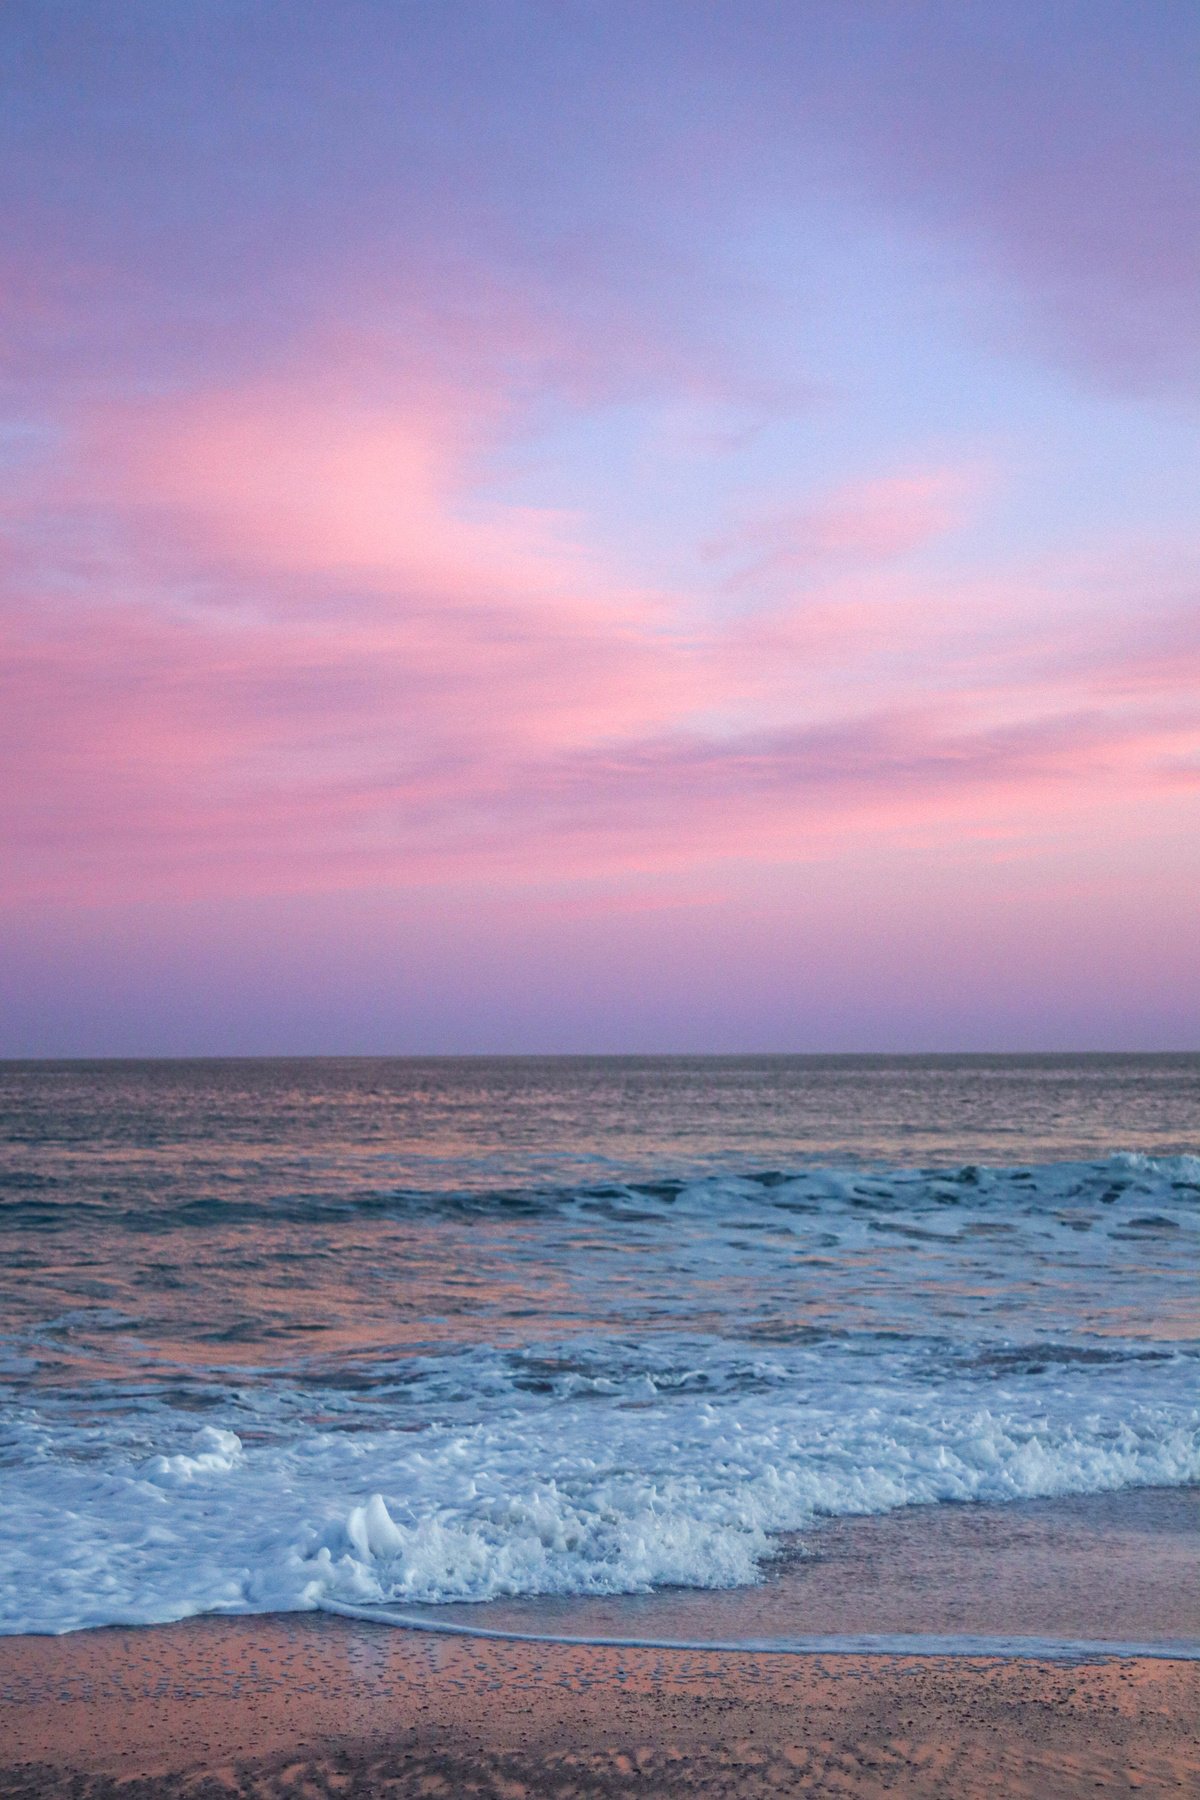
x=1075, y=1576
x=316, y=1705
x=508, y=1700
x=946, y=1648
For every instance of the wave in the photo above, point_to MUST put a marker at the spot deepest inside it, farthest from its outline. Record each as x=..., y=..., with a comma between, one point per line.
x=556, y=1498
x=1124, y=1180
x=646, y=1382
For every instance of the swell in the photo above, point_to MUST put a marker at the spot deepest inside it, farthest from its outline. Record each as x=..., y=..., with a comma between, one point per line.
x=42, y=1202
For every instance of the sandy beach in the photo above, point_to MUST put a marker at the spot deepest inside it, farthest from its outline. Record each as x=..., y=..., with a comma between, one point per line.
x=311, y=1705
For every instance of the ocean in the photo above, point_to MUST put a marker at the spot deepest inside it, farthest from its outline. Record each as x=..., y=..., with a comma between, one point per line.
x=441, y=1339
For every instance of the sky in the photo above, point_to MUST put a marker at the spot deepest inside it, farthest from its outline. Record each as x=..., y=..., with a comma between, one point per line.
x=599, y=525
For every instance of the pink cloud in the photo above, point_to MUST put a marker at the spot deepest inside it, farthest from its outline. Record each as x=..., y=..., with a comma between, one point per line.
x=289, y=480
x=271, y=636
x=855, y=526
x=207, y=751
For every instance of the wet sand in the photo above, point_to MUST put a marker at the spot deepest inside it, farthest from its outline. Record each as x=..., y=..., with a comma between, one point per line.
x=310, y=1705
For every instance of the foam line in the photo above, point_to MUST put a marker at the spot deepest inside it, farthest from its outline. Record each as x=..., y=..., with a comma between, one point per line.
x=1037, y=1649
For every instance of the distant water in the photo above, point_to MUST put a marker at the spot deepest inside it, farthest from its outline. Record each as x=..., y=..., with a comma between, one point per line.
x=284, y=1334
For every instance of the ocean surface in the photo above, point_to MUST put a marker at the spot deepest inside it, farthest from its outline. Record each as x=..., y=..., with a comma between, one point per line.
x=404, y=1334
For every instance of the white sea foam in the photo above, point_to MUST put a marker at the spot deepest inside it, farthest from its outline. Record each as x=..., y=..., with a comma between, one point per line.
x=584, y=1496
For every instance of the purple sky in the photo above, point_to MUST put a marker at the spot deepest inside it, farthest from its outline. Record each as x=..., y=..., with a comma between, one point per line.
x=648, y=526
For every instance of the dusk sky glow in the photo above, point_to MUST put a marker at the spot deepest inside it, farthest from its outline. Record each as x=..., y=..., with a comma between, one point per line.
x=608, y=525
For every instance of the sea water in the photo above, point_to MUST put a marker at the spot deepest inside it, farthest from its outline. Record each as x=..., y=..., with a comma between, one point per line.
x=385, y=1333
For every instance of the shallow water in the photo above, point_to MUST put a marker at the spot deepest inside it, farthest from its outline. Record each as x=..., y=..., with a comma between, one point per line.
x=389, y=1332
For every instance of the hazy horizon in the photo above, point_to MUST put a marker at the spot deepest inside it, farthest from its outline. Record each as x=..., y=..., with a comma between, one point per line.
x=1181, y=1053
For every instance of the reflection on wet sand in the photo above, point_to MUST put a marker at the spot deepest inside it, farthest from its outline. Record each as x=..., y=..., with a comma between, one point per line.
x=314, y=1706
